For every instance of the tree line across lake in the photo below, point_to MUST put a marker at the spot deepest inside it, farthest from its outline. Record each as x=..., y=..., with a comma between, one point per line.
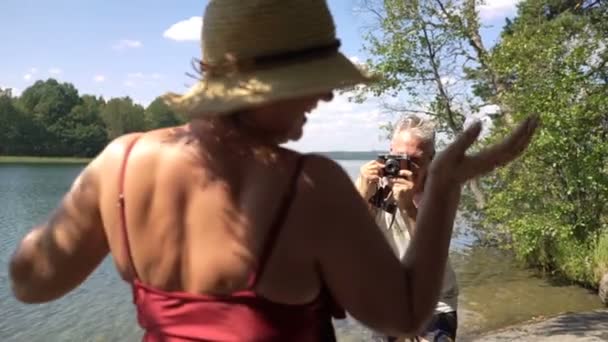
x=53, y=119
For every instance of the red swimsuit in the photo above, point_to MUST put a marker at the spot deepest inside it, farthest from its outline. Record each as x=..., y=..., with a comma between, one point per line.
x=240, y=316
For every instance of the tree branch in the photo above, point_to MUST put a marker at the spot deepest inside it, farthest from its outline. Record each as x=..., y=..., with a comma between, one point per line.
x=408, y=110
x=441, y=89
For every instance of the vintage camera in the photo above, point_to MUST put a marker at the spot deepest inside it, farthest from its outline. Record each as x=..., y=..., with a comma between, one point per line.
x=392, y=164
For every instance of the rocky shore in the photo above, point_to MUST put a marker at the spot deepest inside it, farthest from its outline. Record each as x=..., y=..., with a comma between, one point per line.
x=589, y=326
x=568, y=327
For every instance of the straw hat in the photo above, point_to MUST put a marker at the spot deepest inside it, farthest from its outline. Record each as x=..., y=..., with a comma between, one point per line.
x=259, y=51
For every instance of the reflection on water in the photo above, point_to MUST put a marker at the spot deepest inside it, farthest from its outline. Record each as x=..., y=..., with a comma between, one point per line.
x=99, y=310
x=497, y=292
x=494, y=291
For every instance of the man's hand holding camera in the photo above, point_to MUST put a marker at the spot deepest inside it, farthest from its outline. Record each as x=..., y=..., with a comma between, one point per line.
x=403, y=191
x=370, y=175
x=388, y=186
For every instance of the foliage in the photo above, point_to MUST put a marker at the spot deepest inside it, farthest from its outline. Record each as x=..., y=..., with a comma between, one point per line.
x=432, y=61
x=122, y=116
x=84, y=129
x=552, y=203
x=159, y=115
x=13, y=127
x=549, y=206
x=600, y=255
x=52, y=119
x=416, y=54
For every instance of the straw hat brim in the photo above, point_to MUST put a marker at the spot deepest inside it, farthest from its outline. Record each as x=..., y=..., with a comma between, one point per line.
x=227, y=94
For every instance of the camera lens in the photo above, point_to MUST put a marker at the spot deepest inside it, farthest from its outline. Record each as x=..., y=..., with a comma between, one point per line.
x=392, y=167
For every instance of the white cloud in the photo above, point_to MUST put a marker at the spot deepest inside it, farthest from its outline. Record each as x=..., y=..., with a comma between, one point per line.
x=30, y=74
x=135, y=75
x=342, y=125
x=144, y=76
x=33, y=72
x=55, y=71
x=494, y=9
x=99, y=78
x=135, y=79
x=185, y=30
x=127, y=44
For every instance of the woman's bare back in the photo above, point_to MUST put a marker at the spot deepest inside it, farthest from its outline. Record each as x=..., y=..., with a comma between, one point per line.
x=198, y=224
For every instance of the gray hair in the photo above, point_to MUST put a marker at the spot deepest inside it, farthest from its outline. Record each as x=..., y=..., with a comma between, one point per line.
x=421, y=127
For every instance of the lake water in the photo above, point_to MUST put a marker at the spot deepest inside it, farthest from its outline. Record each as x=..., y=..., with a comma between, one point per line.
x=494, y=291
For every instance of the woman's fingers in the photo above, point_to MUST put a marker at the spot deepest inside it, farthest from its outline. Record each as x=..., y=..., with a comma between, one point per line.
x=465, y=140
x=449, y=160
x=501, y=153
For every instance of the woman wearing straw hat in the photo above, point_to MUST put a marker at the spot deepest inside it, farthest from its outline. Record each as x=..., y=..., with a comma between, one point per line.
x=226, y=236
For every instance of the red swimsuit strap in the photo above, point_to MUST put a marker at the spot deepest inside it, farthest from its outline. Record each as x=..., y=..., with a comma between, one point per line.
x=121, y=205
x=278, y=223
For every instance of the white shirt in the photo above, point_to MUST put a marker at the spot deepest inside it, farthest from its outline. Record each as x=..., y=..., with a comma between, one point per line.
x=399, y=238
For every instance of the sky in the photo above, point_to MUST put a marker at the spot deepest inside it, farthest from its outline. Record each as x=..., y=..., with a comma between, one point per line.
x=143, y=48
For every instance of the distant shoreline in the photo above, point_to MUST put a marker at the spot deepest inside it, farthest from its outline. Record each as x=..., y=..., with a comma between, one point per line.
x=351, y=155
x=42, y=160
x=339, y=155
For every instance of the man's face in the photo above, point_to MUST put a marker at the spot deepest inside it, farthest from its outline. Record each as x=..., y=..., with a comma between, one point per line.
x=420, y=152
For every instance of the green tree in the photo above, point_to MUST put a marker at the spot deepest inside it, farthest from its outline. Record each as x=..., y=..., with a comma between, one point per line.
x=51, y=119
x=8, y=92
x=49, y=104
x=431, y=58
x=552, y=203
x=159, y=115
x=122, y=116
x=15, y=128
x=85, y=130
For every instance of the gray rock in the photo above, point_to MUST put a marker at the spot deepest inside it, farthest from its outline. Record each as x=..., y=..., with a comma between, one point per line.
x=583, y=327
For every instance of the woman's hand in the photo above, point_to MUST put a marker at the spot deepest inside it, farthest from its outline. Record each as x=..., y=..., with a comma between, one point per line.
x=453, y=167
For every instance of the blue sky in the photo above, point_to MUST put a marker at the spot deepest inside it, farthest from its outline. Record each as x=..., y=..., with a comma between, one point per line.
x=143, y=49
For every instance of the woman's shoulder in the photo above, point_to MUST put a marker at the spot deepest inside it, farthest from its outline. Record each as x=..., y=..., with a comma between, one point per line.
x=315, y=160
x=315, y=165
x=135, y=145
x=325, y=179
x=118, y=146
x=325, y=167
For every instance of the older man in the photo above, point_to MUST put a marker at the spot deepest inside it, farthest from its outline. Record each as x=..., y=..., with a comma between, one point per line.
x=414, y=141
